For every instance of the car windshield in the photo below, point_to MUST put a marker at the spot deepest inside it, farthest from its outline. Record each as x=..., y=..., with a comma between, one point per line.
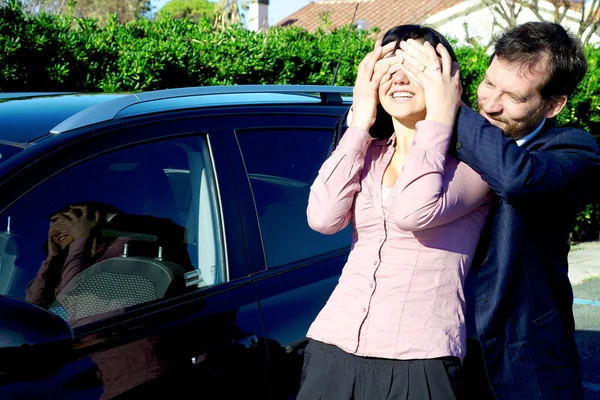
x=7, y=151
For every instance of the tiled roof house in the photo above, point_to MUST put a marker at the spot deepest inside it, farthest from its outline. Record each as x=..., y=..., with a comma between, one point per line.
x=460, y=19
x=383, y=14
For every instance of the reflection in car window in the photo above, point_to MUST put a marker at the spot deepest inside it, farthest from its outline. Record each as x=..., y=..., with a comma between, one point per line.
x=123, y=229
x=282, y=165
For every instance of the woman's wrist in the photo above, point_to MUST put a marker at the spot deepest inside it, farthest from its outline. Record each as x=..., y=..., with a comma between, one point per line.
x=445, y=117
x=364, y=125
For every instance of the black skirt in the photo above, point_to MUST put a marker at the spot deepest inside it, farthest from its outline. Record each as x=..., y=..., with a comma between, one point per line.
x=329, y=373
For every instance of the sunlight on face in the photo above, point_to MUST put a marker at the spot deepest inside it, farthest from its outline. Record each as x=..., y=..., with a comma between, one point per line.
x=403, y=99
x=510, y=99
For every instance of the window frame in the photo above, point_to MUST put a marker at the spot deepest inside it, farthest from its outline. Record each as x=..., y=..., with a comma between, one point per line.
x=310, y=117
x=66, y=151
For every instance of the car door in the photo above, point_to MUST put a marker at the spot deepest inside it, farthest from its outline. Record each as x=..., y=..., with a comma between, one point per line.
x=156, y=289
x=294, y=269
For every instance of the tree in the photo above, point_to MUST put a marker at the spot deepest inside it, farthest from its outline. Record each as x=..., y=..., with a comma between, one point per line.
x=505, y=14
x=507, y=10
x=583, y=13
x=229, y=12
x=588, y=12
x=126, y=10
x=193, y=9
x=48, y=6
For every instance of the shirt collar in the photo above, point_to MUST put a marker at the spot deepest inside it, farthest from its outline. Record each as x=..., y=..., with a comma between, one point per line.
x=386, y=142
x=525, y=139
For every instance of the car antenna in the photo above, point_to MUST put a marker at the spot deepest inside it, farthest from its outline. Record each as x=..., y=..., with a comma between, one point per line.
x=337, y=68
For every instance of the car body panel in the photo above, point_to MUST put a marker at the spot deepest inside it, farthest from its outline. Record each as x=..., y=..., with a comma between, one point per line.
x=24, y=120
x=242, y=337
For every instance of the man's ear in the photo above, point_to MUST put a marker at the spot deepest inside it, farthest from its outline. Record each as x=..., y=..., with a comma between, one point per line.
x=555, y=106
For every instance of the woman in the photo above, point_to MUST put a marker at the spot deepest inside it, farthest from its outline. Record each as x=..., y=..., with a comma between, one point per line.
x=73, y=241
x=394, y=326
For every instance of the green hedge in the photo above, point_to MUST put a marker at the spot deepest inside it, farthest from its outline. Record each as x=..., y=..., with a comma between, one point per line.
x=60, y=53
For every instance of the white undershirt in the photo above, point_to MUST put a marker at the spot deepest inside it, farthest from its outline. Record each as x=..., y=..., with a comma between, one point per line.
x=385, y=191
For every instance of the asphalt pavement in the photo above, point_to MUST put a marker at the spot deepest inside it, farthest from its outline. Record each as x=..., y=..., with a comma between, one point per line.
x=584, y=272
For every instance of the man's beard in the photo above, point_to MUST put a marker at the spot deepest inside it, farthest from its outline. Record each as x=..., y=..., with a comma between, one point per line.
x=517, y=130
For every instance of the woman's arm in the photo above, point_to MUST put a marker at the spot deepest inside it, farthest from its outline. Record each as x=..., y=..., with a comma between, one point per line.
x=332, y=194
x=41, y=289
x=435, y=189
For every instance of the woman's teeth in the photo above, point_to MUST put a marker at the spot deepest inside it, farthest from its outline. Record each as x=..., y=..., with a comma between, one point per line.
x=402, y=95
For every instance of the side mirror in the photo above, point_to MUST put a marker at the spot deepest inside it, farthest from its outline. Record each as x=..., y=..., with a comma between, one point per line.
x=34, y=343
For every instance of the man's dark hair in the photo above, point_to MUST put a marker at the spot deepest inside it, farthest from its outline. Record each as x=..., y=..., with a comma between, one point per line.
x=526, y=44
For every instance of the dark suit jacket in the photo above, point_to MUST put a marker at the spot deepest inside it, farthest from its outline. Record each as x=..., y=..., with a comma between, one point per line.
x=523, y=297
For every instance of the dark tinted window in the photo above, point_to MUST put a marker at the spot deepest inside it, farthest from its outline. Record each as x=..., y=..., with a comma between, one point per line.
x=282, y=165
x=125, y=228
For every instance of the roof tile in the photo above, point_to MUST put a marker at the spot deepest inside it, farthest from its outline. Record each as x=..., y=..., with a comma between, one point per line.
x=383, y=14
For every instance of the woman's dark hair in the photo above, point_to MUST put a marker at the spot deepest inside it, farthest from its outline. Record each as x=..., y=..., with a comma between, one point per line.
x=383, y=127
x=93, y=207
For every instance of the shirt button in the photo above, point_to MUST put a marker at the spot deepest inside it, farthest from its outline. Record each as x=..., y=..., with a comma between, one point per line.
x=371, y=285
x=375, y=263
x=364, y=310
x=380, y=240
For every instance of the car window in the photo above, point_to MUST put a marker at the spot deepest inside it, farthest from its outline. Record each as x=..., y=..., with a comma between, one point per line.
x=282, y=165
x=125, y=228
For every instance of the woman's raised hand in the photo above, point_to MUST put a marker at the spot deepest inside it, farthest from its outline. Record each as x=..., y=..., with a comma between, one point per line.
x=434, y=70
x=373, y=70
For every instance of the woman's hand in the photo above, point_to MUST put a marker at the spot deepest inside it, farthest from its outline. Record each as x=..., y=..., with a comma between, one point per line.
x=78, y=224
x=53, y=234
x=439, y=76
x=370, y=76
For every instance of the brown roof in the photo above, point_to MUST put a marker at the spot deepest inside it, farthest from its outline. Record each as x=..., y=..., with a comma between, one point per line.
x=383, y=14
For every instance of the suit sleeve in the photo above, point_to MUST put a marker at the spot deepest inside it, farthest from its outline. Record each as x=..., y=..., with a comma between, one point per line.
x=434, y=189
x=332, y=194
x=558, y=171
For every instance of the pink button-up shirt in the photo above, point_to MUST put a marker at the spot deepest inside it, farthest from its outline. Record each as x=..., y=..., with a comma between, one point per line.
x=400, y=295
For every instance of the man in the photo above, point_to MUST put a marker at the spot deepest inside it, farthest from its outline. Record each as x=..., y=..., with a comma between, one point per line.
x=519, y=298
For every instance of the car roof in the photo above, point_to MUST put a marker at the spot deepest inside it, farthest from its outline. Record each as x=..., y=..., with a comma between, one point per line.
x=207, y=96
x=23, y=95
x=27, y=116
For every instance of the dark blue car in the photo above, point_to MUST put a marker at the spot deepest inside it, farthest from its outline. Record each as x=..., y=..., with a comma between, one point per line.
x=155, y=245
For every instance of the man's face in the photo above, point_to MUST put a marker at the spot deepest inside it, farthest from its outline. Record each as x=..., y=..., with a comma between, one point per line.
x=510, y=99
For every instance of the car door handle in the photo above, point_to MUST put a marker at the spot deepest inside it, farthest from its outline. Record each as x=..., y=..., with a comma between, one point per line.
x=246, y=341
